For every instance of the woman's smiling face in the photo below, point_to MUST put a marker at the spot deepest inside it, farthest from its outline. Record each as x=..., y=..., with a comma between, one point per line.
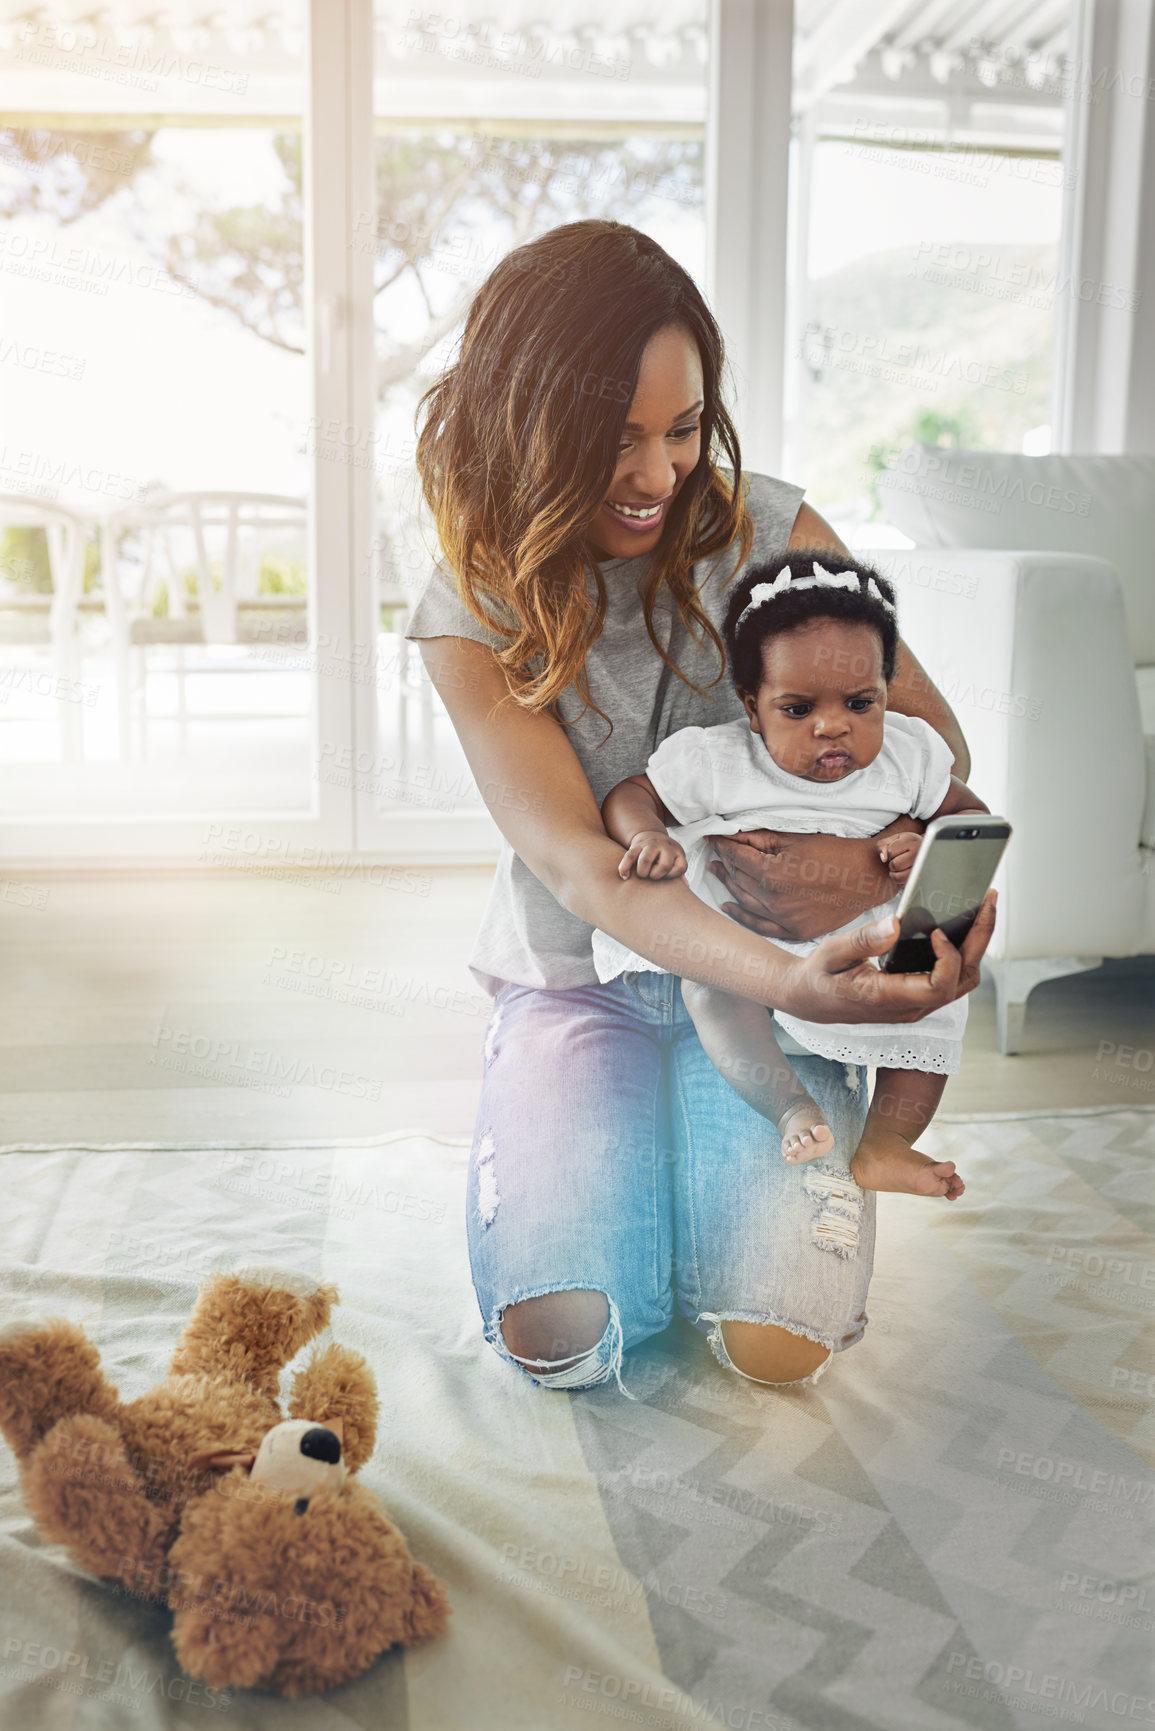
x=661, y=444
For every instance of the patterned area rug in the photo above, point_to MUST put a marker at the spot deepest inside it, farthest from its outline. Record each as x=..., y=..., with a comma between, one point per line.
x=954, y=1528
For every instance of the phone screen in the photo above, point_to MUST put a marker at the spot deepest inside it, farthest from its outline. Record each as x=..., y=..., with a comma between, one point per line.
x=951, y=876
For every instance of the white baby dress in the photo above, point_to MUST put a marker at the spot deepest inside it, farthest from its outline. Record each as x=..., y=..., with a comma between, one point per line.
x=715, y=780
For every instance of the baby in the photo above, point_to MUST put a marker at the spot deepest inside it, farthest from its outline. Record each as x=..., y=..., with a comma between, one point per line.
x=811, y=650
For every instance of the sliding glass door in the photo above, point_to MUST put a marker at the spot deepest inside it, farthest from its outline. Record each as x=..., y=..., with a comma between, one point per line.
x=173, y=573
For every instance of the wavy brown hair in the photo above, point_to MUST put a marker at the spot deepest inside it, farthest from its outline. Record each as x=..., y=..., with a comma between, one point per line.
x=519, y=445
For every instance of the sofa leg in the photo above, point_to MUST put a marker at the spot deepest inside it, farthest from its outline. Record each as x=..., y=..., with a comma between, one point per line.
x=1014, y=983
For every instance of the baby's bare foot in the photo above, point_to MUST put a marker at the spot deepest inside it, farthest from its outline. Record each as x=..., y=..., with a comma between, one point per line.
x=804, y=1131
x=884, y=1161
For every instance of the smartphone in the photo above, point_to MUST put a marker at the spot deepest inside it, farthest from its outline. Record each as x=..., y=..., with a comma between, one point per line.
x=952, y=874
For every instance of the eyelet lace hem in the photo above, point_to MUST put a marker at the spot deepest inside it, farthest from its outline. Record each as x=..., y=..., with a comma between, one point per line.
x=940, y=1057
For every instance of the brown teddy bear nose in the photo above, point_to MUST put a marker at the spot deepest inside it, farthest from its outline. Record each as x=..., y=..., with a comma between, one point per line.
x=321, y=1444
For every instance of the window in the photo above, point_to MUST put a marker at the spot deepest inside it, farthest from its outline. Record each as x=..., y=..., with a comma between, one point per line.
x=927, y=190
x=155, y=581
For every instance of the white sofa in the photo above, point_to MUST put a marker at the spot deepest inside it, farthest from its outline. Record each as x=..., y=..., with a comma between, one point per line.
x=1029, y=597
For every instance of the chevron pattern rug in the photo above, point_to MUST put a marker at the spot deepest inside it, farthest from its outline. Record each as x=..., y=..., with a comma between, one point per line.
x=954, y=1528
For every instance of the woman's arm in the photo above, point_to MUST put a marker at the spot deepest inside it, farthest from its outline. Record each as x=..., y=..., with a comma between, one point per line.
x=542, y=802
x=796, y=885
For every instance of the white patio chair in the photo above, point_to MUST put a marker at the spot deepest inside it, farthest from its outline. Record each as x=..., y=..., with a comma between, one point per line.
x=234, y=613
x=34, y=619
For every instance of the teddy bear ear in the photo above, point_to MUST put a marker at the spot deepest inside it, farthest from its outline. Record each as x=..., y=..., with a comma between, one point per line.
x=337, y=1383
x=226, y=1654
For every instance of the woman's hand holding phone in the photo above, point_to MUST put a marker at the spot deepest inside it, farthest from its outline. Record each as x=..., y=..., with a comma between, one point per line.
x=838, y=981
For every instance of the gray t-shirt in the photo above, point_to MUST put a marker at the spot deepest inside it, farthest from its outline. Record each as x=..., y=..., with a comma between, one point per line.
x=526, y=935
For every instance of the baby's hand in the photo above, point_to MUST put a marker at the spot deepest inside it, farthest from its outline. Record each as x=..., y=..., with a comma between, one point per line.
x=898, y=853
x=653, y=854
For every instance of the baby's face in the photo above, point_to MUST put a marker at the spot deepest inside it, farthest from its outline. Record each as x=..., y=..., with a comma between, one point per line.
x=822, y=699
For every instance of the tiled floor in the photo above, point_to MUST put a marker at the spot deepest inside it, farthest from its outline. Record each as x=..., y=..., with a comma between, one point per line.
x=201, y=1007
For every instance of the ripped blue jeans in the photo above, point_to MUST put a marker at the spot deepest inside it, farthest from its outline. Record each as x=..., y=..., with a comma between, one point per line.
x=610, y=1155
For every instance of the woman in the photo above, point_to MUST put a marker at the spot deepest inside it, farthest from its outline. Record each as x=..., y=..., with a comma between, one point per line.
x=570, y=460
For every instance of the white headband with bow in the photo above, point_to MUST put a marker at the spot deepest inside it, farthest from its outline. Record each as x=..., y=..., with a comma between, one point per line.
x=822, y=579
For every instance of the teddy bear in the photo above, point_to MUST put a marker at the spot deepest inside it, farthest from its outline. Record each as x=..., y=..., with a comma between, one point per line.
x=282, y=1571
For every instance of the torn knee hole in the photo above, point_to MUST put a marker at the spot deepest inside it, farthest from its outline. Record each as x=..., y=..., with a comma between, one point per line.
x=556, y=1328
x=796, y=1361
x=569, y=1338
